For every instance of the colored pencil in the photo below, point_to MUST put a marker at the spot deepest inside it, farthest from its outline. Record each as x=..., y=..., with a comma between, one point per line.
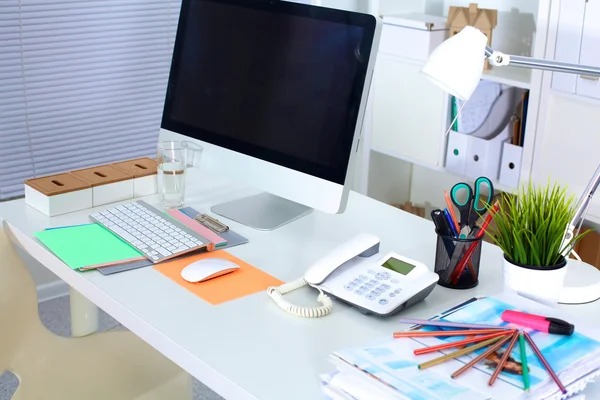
x=451, y=210
x=458, y=353
x=449, y=324
x=480, y=357
x=460, y=267
x=459, y=343
x=462, y=332
x=524, y=367
x=540, y=356
x=504, y=358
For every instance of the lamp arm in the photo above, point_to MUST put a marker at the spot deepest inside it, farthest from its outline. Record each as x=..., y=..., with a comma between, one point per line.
x=581, y=211
x=499, y=59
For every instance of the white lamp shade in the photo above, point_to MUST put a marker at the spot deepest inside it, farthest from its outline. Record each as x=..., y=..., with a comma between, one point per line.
x=456, y=65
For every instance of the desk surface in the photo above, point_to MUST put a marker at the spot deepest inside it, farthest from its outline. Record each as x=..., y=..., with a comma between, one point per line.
x=249, y=348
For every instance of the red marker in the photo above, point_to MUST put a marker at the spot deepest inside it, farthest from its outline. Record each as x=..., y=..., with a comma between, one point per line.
x=538, y=322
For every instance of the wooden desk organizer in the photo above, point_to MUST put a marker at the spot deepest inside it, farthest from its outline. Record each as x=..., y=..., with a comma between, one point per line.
x=90, y=187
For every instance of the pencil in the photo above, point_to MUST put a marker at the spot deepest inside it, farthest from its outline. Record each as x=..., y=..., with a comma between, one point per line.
x=462, y=332
x=431, y=349
x=503, y=360
x=480, y=357
x=524, y=367
x=428, y=322
x=458, y=353
x=451, y=210
x=540, y=356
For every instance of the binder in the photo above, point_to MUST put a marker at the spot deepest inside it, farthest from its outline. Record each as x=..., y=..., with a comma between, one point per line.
x=510, y=167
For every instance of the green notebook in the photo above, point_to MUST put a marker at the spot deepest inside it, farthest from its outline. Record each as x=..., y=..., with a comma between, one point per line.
x=84, y=246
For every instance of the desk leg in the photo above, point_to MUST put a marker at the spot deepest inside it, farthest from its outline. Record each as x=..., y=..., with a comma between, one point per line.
x=84, y=315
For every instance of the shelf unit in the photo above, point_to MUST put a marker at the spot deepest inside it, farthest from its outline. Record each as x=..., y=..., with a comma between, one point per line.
x=506, y=39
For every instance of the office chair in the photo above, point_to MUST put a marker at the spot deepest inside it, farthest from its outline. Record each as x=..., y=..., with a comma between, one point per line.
x=111, y=365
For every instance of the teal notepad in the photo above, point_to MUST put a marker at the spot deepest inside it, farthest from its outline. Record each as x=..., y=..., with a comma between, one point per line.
x=86, y=245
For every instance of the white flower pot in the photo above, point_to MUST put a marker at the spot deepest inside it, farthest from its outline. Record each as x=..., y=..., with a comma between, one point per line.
x=545, y=283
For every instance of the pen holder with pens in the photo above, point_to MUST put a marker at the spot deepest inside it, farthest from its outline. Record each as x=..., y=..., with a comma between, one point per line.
x=457, y=261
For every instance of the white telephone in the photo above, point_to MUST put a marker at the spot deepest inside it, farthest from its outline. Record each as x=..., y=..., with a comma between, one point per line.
x=352, y=273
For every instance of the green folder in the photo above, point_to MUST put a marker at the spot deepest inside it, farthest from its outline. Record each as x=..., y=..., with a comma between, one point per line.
x=84, y=246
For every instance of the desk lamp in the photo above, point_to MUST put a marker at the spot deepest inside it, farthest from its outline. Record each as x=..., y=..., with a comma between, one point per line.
x=456, y=66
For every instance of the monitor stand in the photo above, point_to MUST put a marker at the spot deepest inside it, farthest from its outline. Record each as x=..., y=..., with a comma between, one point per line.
x=263, y=211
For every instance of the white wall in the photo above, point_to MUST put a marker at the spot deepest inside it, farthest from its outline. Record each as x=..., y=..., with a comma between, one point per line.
x=567, y=147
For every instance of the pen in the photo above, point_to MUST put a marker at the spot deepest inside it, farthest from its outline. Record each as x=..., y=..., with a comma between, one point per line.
x=451, y=209
x=538, y=322
x=442, y=228
x=450, y=222
x=441, y=222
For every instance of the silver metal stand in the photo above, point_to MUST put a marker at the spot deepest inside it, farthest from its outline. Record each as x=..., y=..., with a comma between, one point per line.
x=500, y=59
x=263, y=211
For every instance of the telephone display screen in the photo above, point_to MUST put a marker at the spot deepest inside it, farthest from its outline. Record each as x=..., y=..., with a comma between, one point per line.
x=399, y=266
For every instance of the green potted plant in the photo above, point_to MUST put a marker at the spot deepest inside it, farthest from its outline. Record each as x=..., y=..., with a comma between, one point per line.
x=530, y=227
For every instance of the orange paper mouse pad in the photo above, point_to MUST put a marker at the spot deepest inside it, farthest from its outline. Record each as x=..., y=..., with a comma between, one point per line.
x=246, y=280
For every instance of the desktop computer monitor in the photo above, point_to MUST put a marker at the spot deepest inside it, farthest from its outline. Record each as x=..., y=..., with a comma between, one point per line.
x=275, y=92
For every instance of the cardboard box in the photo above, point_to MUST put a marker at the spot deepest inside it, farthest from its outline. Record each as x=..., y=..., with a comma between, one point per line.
x=589, y=248
x=483, y=19
x=144, y=173
x=58, y=194
x=109, y=184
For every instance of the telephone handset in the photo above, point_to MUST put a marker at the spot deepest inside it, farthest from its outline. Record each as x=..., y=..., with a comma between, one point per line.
x=352, y=273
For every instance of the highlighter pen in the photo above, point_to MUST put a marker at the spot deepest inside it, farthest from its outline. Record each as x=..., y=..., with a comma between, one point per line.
x=538, y=322
x=449, y=219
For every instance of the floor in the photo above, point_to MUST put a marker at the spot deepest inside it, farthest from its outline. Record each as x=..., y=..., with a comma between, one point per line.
x=55, y=315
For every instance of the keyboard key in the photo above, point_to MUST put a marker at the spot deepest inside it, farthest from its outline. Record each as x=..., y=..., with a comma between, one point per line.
x=180, y=249
x=154, y=258
x=162, y=251
x=121, y=232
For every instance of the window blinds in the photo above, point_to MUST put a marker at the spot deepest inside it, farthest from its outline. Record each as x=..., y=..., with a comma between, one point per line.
x=82, y=82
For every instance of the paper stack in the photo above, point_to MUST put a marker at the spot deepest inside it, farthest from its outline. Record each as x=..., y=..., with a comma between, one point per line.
x=387, y=368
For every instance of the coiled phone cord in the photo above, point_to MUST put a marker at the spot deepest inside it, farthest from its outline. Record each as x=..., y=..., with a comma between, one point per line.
x=277, y=292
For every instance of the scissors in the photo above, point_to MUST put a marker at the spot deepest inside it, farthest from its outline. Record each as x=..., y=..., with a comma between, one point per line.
x=474, y=205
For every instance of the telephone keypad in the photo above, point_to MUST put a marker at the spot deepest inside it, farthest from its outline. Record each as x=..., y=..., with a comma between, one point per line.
x=382, y=276
x=372, y=286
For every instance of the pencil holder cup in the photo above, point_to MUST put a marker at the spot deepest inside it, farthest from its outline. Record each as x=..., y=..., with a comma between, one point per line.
x=457, y=261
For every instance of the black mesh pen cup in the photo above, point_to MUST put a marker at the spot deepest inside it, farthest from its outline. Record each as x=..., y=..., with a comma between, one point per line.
x=457, y=261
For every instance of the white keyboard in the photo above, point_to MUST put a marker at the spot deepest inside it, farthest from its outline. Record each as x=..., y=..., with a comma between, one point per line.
x=156, y=235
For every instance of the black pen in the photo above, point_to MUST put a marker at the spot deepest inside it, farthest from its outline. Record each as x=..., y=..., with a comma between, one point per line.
x=443, y=229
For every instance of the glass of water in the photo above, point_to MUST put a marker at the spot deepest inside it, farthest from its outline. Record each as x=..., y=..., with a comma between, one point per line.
x=172, y=160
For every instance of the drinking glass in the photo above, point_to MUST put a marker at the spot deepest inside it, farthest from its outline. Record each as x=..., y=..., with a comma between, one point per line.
x=193, y=154
x=171, y=159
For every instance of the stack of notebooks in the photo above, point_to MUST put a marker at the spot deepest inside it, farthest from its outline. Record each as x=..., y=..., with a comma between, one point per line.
x=388, y=369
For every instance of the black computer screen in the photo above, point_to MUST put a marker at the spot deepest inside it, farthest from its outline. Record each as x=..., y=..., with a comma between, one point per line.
x=278, y=81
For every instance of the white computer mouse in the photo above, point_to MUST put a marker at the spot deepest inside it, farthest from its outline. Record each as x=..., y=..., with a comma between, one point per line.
x=208, y=268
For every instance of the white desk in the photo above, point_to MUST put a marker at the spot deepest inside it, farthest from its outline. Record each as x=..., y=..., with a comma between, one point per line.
x=249, y=348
